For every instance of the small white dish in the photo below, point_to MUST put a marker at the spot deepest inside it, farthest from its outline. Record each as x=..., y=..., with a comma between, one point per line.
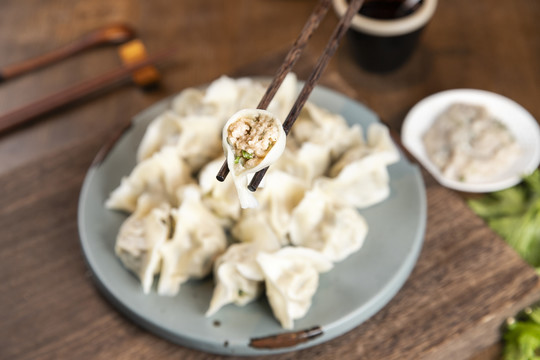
x=518, y=120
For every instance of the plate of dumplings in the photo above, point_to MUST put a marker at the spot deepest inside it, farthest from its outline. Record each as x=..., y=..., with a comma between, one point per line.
x=174, y=250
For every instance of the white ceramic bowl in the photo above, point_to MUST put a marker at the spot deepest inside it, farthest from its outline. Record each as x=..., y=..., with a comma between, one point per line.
x=518, y=120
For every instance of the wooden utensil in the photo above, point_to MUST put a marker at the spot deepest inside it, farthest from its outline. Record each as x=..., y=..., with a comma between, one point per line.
x=327, y=54
x=113, y=34
x=26, y=113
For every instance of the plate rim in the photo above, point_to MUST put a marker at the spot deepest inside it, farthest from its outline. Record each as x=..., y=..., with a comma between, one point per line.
x=330, y=332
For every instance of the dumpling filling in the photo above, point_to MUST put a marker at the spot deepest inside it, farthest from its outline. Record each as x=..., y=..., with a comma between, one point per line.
x=252, y=140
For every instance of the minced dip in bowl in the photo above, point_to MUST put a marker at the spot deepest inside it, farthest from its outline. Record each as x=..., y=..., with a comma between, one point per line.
x=473, y=140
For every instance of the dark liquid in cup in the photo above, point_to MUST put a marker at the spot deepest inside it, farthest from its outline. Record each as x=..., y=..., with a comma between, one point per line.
x=381, y=53
x=388, y=9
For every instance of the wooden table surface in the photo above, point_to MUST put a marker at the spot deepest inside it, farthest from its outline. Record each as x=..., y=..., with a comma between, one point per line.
x=466, y=282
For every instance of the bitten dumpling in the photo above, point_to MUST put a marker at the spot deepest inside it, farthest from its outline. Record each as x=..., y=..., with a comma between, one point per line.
x=291, y=277
x=140, y=237
x=252, y=140
x=197, y=241
x=238, y=277
x=335, y=231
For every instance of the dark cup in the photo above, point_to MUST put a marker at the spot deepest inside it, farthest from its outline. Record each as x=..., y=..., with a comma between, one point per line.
x=385, y=44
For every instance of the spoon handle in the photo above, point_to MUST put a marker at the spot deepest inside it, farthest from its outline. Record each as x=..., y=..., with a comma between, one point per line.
x=112, y=34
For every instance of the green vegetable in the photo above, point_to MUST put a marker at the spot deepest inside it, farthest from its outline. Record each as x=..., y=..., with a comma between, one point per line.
x=514, y=214
x=246, y=155
x=237, y=159
x=522, y=337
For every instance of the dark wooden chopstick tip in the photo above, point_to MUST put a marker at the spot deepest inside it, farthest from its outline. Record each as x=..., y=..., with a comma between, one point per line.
x=256, y=179
x=223, y=172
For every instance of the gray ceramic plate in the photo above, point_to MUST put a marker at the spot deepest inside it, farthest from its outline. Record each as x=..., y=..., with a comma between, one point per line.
x=353, y=291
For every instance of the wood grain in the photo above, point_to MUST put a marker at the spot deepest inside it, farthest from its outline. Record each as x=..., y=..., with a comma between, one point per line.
x=466, y=281
x=109, y=35
x=50, y=102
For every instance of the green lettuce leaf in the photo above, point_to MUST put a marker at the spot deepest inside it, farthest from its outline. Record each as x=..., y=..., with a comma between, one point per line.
x=514, y=214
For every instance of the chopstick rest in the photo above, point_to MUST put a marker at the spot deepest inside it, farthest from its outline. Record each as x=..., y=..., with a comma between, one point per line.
x=132, y=52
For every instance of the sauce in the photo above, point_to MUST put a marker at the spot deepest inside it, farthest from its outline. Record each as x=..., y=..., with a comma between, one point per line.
x=468, y=144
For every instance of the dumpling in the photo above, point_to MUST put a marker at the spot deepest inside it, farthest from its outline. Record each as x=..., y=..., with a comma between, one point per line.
x=321, y=127
x=291, y=277
x=197, y=241
x=159, y=176
x=360, y=184
x=250, y=93
x=237, y=276
x=335, y=231
x=379, y=143
x=254, y=227
x=199, y=141
x=162, y=131
x=223, y=90
x=223, y=95
x=219, y=197
x=361, y=176
x=252, y=140
x=281, y=194
x=195, y=137
x=190, y=102
x=140, y=237
x=285, y=97
x=308, y=163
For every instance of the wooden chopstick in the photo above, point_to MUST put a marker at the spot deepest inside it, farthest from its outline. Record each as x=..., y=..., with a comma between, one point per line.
x=294, y=53
x=44, y=105
x=288, y=63
x=112, y=34
x=314, y=77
